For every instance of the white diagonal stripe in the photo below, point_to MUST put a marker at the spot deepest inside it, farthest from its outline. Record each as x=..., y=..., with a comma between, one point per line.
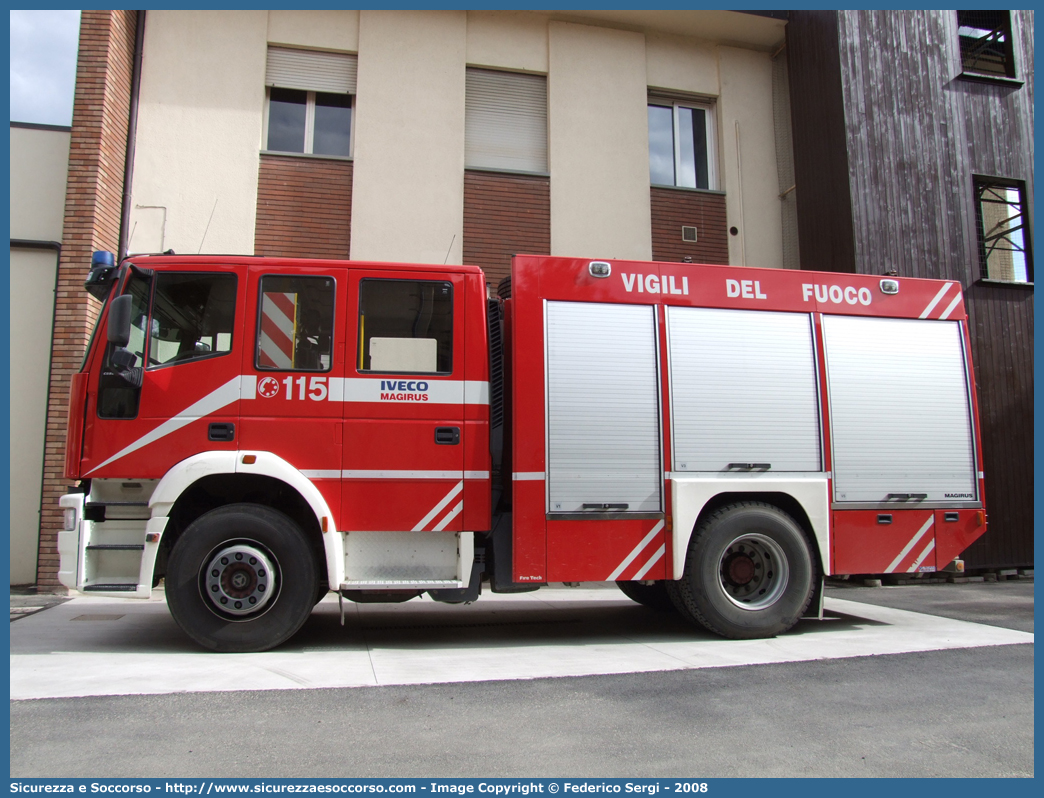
x=934, y=302
x=652, y=561
x=449, y=517
x=211, y=403
x=921, y=556
x=949, y=309
x=439, y=507
x=635, y=552
x=911, y=544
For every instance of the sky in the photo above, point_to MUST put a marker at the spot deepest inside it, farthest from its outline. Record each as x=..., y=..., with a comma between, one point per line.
x=43, y=66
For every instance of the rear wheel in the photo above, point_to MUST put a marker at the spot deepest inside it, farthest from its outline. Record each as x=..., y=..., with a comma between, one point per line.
x=653, y=596
x=241, y=578
x=749, y=572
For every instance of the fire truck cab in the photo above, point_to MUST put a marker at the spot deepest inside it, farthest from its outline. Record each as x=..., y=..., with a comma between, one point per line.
x=260, y=431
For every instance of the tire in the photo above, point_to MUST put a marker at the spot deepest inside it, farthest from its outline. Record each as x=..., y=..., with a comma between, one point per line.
x=749, y=572
x=241, y=578
x=653, y=596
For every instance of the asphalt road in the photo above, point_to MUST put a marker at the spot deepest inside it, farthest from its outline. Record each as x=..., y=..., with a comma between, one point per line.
x=950, y=713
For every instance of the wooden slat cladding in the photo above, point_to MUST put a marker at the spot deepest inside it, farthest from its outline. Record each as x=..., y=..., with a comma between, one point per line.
x=1001, y=322
x=304, y=207
x=505, y=215
x=672, y=209
x=914, y=137
x=820, y=154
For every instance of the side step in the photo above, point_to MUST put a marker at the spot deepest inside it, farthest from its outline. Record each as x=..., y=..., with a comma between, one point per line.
x=120, y=588
x=95, y=511
x=116, y=547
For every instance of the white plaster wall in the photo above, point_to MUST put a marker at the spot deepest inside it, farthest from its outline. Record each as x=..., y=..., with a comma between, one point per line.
x=39, y=165
x=320, y=30
x=32, y=312
x=507, y=40
x=599, y=143
x=199, y=131
x=408, y=183
x=748, y=159
x=681, y=64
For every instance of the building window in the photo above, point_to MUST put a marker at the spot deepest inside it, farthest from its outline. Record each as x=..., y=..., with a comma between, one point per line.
x=505, y=121
x=309, y=102
x=1004, y=243
x=681, y=144
x=986, y=47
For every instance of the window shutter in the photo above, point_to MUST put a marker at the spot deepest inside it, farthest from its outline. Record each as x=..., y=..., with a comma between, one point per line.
x=309, y=70
x=505, y=121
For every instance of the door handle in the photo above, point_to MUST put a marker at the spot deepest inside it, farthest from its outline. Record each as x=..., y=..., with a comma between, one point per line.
x=221, y=432
x=447, y=436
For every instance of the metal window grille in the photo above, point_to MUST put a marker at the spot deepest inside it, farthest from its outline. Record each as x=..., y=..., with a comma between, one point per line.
x=1004, y=245
x=985, y=39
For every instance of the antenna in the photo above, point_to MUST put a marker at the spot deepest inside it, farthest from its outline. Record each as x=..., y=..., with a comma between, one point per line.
x=448, y=251
x=208, y=225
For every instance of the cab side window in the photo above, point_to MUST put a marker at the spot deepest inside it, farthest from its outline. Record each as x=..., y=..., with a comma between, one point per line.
x=116, y=397
x=405, y=326
x=295, y=324
x=193, y=316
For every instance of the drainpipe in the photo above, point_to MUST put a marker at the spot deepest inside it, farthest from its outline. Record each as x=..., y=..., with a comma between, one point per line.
x=132, y=134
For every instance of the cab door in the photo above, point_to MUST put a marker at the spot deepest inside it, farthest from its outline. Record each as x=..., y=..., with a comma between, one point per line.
x=403, y=392
x=293, y=365
x=185, y=337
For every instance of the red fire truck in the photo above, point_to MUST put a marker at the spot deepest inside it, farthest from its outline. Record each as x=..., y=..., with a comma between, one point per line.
x=260, y=431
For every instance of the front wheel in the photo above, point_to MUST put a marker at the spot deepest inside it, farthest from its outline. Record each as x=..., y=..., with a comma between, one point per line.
x=241, y=578
x=749, y=572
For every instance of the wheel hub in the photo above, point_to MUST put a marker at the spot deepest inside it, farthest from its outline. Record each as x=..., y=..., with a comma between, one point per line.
x=740, y=569
x=754, y=572
x=239, y=579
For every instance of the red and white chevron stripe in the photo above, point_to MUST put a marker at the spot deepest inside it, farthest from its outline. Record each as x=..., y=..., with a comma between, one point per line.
x=645, y=558
x=278, y=330
x=944, y=302
x=425, y=523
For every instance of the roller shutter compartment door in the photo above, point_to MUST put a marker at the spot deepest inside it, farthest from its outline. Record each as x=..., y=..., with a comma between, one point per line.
x=743, y=390
x=602, y=408
x=899, y=407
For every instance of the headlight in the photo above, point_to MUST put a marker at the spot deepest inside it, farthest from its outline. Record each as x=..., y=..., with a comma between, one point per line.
x=70, y=519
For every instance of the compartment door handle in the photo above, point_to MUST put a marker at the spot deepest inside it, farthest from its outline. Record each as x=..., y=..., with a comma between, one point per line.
x=447, y=436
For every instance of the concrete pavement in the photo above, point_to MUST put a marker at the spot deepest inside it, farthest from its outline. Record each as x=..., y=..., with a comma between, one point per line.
x=958, y=702
x=97, y=646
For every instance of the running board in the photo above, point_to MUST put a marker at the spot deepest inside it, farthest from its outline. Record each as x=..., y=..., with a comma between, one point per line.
x=405, y=584
x=118, y=588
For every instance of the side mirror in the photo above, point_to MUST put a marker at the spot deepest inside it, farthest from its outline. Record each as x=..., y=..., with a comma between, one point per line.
x=120, y=320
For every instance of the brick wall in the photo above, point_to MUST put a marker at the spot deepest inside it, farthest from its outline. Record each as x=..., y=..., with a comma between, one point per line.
x=505, y=215
x=93, y=200
x=304, y=207
x=672, y=209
